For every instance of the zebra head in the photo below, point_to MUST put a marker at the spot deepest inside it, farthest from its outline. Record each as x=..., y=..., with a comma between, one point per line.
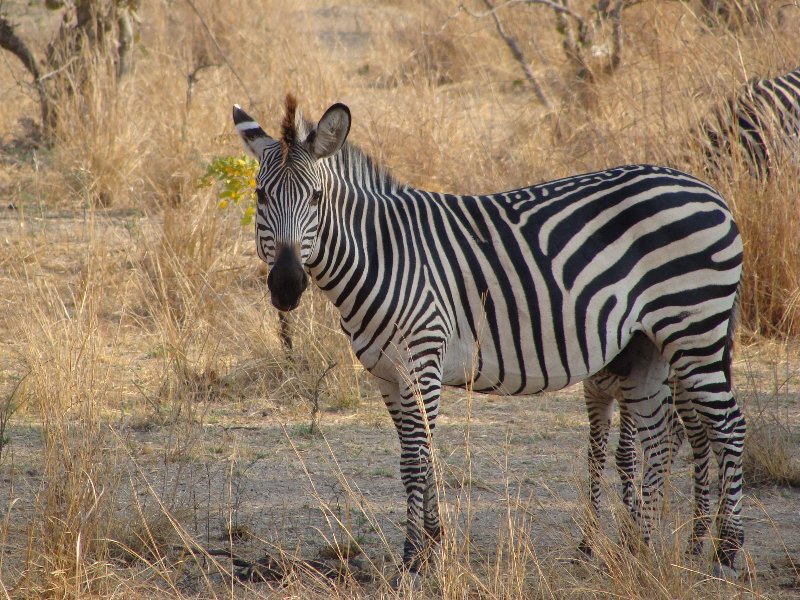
x=290, y=187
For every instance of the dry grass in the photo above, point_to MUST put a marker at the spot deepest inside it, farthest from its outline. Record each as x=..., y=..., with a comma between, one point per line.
x=770, y=456
x=140, y=348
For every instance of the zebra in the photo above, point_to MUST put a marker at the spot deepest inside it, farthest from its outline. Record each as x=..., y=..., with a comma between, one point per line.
x=600, y=392
x=514, y=293
x=756, y=125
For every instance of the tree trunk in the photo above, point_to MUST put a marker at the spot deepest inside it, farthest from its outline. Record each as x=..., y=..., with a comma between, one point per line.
x=9, y=40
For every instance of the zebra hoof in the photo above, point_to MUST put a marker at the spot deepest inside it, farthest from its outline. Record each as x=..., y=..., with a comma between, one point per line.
x=725, y=572
x=406, y=580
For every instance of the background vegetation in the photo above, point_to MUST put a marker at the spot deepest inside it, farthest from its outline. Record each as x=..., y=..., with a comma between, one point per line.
x=149, y=412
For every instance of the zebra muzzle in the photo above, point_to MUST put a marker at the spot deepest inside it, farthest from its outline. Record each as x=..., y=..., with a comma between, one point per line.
x=287, y=280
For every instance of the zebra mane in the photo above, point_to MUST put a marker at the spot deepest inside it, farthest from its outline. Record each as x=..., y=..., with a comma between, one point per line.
x=289, y=123
x=356, y=166
x=294, y=128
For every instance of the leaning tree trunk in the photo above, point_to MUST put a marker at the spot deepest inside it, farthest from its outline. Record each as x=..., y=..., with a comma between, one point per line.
x=9, y=40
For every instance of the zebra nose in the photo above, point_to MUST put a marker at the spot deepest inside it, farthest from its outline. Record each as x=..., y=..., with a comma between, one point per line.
x=287, y=280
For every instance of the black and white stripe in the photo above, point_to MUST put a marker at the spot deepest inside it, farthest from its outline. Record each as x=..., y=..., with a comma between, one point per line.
x=757, y=126
x=634, y=269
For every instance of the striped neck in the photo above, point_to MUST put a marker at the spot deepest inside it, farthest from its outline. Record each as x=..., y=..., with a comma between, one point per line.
x=356, y=186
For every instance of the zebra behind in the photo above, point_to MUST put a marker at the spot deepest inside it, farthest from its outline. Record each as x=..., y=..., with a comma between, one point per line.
x=759, y=125
x=513, y=293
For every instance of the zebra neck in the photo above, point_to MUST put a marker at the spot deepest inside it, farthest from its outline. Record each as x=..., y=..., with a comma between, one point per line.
x=350, y=230
x=339, y=258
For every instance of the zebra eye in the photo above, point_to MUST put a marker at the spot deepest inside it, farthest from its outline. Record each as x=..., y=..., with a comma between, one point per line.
x=315, y=197
x=261, y=195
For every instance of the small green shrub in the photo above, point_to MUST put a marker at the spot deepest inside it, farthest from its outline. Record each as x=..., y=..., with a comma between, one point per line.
x=235, y=178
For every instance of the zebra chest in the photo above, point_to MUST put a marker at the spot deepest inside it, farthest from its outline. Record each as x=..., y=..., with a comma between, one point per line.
x=392, y=339
x=385, y=352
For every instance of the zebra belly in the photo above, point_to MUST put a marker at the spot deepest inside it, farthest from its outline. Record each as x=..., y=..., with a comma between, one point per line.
x=472, y=365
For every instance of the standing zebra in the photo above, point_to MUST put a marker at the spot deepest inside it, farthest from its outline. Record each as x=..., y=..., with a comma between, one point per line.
x=515, y=293
x=755, y=125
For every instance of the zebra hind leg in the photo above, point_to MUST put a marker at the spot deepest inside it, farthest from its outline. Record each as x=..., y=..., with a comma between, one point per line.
x=701, y=458
x=724, y=425
x=598, y=392
x=646, y=401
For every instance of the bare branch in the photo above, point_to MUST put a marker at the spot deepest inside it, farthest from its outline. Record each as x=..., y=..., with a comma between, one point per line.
x=615, y=15
x=518, y=55
x=317, y=391
x=219, y=49
x=573, y=44
x=10, y=41
x=125, y=43
x=191, y=79
x=559, y=8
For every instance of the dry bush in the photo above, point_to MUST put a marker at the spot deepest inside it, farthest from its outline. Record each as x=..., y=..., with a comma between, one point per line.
x=97, y=142
x=770, y=456
x=68, y=385
x=319, y=372
x=770, y=452
x=768, y=217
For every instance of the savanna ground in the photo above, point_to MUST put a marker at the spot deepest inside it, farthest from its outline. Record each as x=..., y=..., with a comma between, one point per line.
x=149, y=414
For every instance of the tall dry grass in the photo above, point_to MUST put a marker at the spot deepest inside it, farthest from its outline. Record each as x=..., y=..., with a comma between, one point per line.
x=133, y=305
x=67, y=363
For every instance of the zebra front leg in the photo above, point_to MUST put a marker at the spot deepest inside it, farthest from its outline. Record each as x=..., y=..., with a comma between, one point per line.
x=393, y=401
x=433, y=525
x=413, y=409
x=433, y=529
x=650, y=412
x=647, y=401
x=625, y=455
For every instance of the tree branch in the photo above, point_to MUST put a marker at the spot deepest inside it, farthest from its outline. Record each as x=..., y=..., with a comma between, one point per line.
x=219, y=49
x=125, y=44
x=559, y=8
x=616, y=33
x=516, y=51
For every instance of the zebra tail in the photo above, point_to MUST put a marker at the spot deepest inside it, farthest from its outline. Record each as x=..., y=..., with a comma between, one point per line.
x=727, y=353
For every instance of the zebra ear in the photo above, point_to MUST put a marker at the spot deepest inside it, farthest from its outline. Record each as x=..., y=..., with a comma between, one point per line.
x=331, y=132
x=254, y=138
